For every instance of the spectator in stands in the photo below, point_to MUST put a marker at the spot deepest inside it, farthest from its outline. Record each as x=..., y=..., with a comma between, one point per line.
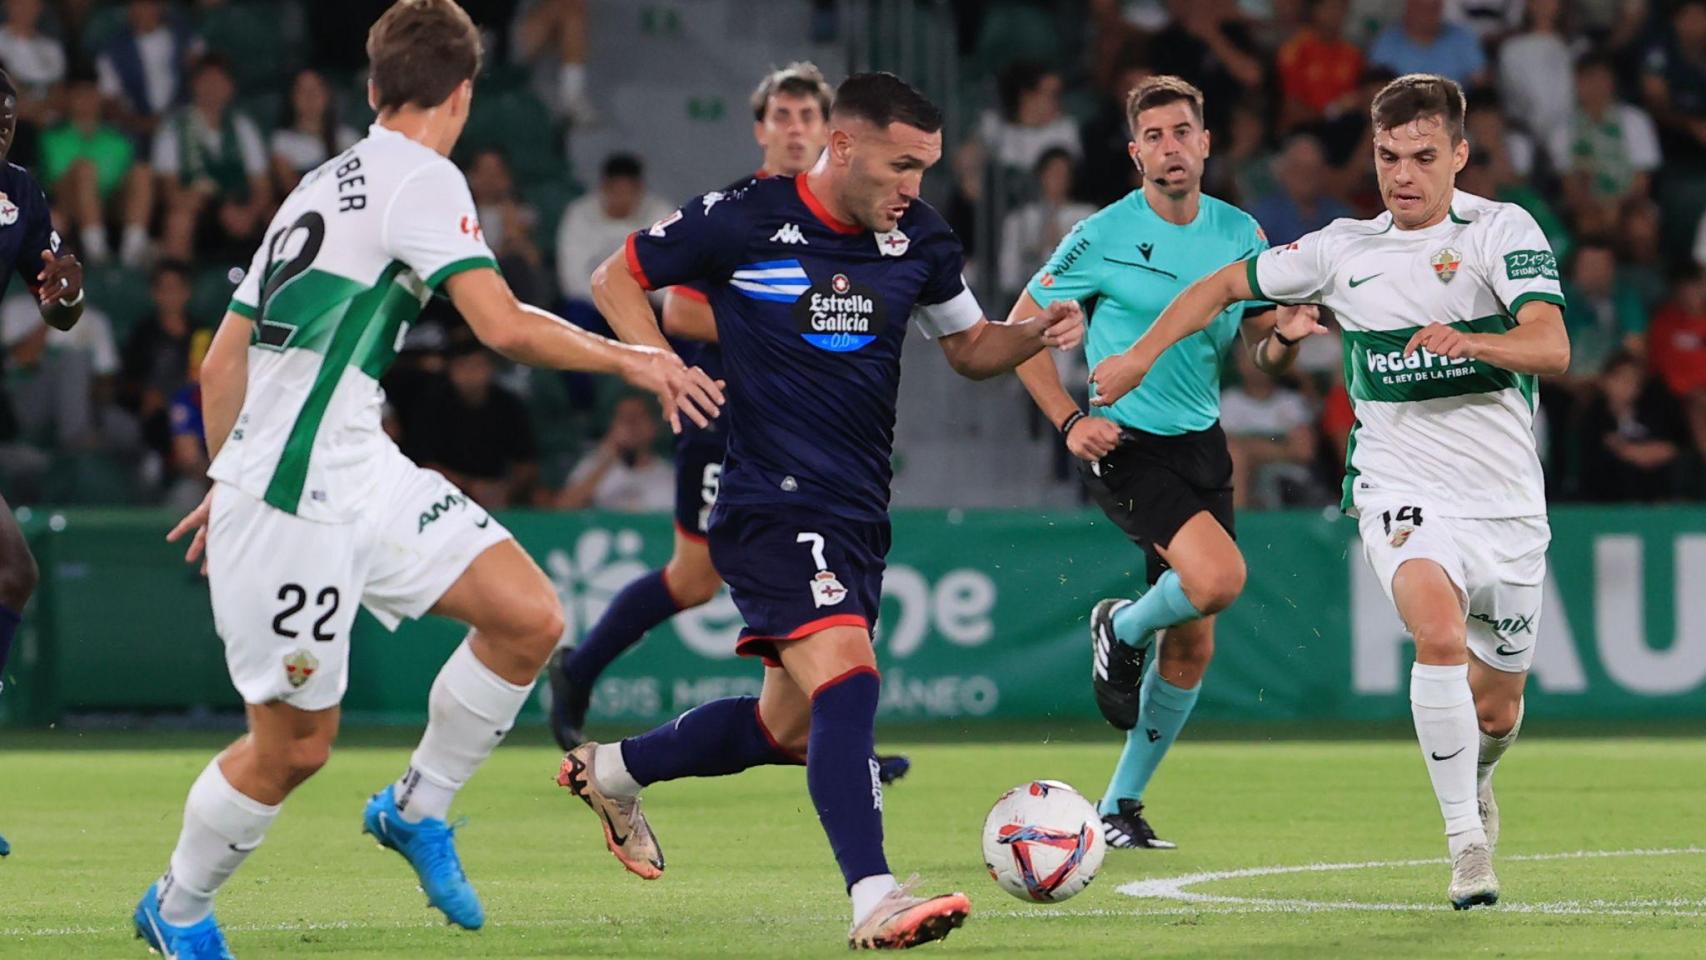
x=1497, y=161
x=1241, y=168
x=212, y=165
x=1641, y=257
x=598, y=223
x=552, y=34
x=1108, y=173
x=36, y=63
x=1608, y=151
x=309, y=131
x=1270, y=432
x=507, y=223
x=1488, y=21
x=91, y=169
x=1301, y=204
x=1632, y=435
x=476, y=432
x=1678, y=346
x=1209, y=44
x=1675, y=86
x=188, y=455
x=1535, y=82
x=1031, y=232
x=1319, y=70
x=1030, y=121
x=61, y=381
x=1423, y=42
x=156, y=355
x=143, y=67
x=625, y=472
x=1603, y=316
x=964, y=210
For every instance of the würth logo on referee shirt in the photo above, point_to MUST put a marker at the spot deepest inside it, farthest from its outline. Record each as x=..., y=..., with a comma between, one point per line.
x=788, y=233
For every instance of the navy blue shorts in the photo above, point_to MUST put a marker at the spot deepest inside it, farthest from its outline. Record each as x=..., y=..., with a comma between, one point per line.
x=794, y=572
x=698, y=466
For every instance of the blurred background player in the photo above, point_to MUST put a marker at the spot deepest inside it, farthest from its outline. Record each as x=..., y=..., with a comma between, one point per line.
x=1157, y=462
x=813, y=281
x=31, y=248
x=1451, y=307
x=790, y=109
x=315, y=511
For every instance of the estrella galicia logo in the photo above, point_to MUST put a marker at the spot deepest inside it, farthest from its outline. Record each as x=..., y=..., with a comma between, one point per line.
x=844, y=318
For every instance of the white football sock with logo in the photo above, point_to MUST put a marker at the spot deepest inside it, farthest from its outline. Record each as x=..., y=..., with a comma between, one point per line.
x=1492, y=748
x=1444, y=711
x=221, y=828
x=469, y=711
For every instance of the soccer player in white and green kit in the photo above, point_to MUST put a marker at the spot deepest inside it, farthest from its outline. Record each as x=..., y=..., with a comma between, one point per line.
x=1451, y=307
x=1157, y=462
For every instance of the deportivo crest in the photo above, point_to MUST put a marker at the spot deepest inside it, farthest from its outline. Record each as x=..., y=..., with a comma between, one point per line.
x=826, y=590
x=892, y=243
x=1445, y=264
x=8, y=211
x=299, y=666
x=1401, y=536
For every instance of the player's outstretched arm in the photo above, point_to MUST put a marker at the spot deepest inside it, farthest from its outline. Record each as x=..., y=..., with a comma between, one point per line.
x=1275, y=354
x=1192, y=310
x=1538, y=344
x=987, y=348
x=542, y=339
x=1088, y=438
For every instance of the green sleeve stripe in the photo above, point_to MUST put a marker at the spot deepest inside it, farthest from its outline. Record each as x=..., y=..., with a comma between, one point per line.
x=243, y=310
x=1551, y=298
x=457, y=266
x=1255, y=287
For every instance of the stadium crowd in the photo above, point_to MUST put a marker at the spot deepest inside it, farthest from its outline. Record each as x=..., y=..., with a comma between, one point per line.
x=166, y=133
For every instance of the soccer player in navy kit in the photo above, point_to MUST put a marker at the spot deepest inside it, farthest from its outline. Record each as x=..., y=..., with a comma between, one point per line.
x=813, y=280
x=29, y=245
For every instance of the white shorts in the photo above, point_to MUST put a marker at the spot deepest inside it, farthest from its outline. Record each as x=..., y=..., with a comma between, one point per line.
x=285, y=589
x=1498, y=565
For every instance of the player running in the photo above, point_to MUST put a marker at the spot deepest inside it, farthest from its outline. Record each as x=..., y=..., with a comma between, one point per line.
x=813, y=280
x=315, y=511
x=29, y=245
x=790, y=109
x=1157, y=462
x=1451, y=307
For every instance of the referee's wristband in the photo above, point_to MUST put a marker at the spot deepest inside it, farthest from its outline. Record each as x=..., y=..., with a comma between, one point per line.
x=1071, y=421
x=1284, y=340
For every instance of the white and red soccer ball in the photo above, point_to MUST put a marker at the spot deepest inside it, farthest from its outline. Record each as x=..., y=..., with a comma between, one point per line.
x=1043, y=841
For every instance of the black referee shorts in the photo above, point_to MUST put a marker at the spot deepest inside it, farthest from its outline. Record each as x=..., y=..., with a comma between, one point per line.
x=1152, y=484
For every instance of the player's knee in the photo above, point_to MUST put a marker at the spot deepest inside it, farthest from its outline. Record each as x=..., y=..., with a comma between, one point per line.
x=1214, y=590
x=304, y=758
x=538, y=623
x=18, y=577
x=1497, y=715
x=692, y=584
x=1440, y=642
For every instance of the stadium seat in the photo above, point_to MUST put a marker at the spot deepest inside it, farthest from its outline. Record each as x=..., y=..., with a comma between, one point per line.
x=123, y=293
x=262, y=40
x=91, y=478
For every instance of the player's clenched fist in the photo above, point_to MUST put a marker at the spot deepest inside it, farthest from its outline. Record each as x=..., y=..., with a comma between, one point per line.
x=1063, y=324
x=678, y=386
x=1442, y=341
x=1092, y=438
x=1115, y=377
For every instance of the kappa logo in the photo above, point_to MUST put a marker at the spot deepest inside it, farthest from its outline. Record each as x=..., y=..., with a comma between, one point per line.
x=299, y=667
x=712, y=199
x=893, y=243
x=788, y=233
x=827, y=591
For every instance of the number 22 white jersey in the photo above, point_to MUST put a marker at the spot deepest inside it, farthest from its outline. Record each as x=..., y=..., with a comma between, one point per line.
x=1458, y=434
x=347, y=263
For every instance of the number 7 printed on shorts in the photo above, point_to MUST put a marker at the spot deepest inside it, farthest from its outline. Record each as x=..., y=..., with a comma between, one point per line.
x=827, y=591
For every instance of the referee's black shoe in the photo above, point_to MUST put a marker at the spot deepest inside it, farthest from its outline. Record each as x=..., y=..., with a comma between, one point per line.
x=1116, y=669
x=1128, y=830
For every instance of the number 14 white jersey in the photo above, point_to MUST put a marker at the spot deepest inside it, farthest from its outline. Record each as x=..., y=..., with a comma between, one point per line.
x=347, y=263
x=1457, y=434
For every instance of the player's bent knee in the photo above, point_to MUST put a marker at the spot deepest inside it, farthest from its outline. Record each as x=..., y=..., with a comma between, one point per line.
x=304, y=758
x=1215, y=590
x=1497, y=715
x=692, y=584
x=1444, y=643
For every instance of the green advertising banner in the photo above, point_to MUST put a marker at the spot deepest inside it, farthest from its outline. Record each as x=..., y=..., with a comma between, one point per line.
x=984, y=615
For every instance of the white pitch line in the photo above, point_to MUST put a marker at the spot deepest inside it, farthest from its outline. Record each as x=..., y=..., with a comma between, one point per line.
x=1174, y=888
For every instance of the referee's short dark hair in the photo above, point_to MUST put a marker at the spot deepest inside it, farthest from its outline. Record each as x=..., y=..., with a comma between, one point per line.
x=883, y=98
x=1158, y=91
x=801, y=78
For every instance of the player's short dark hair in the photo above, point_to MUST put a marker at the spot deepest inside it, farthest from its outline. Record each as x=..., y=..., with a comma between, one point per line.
x=1159, y=91
x=420, y=51
x=622, y=166
x=801, y=78
x=1414, y=96
x=883, y=98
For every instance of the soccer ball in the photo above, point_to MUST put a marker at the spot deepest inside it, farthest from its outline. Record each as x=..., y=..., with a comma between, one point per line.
x=1043, y=841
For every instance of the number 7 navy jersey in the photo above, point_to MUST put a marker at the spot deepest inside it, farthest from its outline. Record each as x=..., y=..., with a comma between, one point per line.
x=811, y=313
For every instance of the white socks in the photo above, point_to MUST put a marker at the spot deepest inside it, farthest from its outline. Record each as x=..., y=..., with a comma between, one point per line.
x=221, y=828
x=610, y=769
x=1492, y=748
x=1444, y=711
x=867, y=892
x=468, y=712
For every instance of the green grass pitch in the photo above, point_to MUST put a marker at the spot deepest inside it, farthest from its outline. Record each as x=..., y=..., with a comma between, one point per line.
x=92, y=818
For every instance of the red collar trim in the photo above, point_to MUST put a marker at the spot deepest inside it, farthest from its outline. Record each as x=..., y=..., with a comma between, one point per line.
x=820, y=211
